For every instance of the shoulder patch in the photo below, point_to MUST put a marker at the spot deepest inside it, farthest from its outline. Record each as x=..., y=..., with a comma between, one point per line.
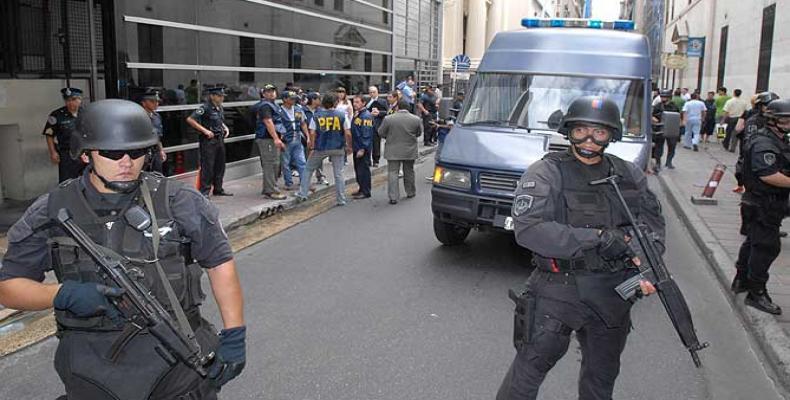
x=200, y=110
x=528, y=185
x=52, y=120
x=769, y=158
x=521, y=204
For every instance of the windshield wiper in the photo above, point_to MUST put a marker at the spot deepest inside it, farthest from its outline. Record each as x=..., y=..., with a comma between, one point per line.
x=485, y=122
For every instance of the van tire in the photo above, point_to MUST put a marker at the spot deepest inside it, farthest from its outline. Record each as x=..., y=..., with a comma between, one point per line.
x=449, y=234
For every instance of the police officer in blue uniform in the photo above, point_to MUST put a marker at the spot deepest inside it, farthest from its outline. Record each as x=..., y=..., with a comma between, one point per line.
x=581, y=253
x=150, y=102
x=58, y=129
x=294, y=128
x=363, y=130
x=209, y=121
x=766, y=175
x=267, y=138
x=101, y=355
x=330, y=136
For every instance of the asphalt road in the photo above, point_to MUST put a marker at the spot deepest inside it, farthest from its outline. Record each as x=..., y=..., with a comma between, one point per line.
x=363, y=303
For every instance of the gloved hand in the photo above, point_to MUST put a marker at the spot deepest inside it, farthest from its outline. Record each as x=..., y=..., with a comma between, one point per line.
x=612, y=245
x=230, y=358
x=87, y=299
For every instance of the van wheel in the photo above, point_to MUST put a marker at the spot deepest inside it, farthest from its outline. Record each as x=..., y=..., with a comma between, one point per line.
x=449, y=234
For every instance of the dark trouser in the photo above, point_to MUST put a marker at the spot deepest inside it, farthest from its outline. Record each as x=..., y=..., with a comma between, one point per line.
x=428, y=129
x=555, y=320
x=760, y=223
x=672, y=143
x=157, y=163
x=658, y=148
x=68, y=168
x=138, y=370
x=362, y=171
x=376, y=147
x=731, y=123
x=212, y=164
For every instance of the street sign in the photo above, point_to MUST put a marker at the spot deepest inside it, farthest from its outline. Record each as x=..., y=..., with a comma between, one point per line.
x=461, y=76
x=676, y=61
x=461, y=62
x=696, y=47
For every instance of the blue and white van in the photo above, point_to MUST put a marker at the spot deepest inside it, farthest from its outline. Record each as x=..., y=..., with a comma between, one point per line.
x=524, y=77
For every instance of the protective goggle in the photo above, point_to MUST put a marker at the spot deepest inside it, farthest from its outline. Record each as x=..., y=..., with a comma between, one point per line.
x=581, y=134
x=118, y=154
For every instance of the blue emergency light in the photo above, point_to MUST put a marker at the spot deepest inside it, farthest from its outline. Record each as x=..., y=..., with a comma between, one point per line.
x=619, y=25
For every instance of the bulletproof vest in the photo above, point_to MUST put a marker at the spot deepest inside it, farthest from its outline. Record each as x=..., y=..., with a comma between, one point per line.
x=113, y=232
x=292, y=128
x=277, y=118
x=329, y=129
x=762, y=140
x=588, y=206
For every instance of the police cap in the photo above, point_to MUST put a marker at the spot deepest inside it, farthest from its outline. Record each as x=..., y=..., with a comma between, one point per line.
x=289, y=94
x=151, y=94
x=217, y=90
x=597, y=110
x=112, y=124
x=310, y=96
x=69, y=92
x=267, y=87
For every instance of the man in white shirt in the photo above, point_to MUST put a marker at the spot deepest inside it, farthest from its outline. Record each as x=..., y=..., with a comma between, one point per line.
x=693, y=114
x=733, y=110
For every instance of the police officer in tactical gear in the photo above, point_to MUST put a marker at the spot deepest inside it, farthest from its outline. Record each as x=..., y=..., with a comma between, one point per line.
x=755, y=120
x=209, y=121
x=58, y=129
x=766, y=175
x=101, y=355
x=577, y=233
x=658, y=131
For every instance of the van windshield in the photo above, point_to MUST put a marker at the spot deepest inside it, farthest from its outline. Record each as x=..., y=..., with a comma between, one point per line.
x=527, y=101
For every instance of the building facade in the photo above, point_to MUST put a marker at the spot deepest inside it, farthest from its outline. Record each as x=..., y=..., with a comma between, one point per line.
x=744, y=43
x=182, y=47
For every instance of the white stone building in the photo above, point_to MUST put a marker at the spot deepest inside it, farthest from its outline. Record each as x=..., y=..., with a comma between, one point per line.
x=745, y=45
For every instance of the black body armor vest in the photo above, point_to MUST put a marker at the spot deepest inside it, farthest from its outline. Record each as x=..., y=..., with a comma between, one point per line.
x=758, y=191
x=113, y=232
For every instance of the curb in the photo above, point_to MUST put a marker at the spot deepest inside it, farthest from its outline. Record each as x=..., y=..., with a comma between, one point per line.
x=291, y=202
x=769, y=335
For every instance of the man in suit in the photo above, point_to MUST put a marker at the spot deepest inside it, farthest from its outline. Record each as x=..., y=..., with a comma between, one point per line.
x=378, y=109
x=400, y=130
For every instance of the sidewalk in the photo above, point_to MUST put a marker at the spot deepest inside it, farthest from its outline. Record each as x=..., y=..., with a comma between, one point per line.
x=715, y=229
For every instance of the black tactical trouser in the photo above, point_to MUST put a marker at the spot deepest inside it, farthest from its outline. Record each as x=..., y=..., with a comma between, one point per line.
x=212, y=164
x=68, y=168
x=558, y=312
x=760, y=224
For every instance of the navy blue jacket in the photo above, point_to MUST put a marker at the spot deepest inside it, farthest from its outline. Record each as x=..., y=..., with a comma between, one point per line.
x=362, y=130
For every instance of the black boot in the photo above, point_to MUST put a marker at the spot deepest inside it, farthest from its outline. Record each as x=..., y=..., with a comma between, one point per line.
x=759, y=299
x=740, y=283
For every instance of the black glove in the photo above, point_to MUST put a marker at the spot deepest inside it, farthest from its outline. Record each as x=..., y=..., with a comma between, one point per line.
x=612, y=245
x=87, y=299
x=230, y=358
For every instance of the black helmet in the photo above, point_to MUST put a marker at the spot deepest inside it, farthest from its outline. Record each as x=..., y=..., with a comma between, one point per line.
x=112, y=125
x=778, y=109
x=765, y=98
x=666, y=93
x=594, y=110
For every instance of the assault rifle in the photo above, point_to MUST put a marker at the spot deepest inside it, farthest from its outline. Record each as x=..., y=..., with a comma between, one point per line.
x=139, y=307
x=654, y=270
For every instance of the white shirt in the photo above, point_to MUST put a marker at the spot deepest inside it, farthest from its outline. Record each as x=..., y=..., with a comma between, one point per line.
x=693, y=110
x=735, y=107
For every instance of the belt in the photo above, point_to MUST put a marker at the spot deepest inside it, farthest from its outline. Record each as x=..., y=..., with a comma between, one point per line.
x=591, y=264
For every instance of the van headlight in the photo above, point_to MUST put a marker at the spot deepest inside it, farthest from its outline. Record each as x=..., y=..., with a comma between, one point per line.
x=452, y=177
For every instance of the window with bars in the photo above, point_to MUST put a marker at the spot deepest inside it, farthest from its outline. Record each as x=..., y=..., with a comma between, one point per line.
x=766, y=46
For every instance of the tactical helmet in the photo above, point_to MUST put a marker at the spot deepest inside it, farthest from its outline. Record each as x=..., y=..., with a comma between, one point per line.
x=594, y=110
x=665, y=93
x=112, y=124
x=778, y=109
x=765, y=98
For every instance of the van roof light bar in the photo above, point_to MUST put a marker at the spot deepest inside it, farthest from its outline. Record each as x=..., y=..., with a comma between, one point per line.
x=618, y=25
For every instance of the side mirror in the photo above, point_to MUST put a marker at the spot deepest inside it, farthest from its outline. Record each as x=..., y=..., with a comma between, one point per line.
x=554, y=119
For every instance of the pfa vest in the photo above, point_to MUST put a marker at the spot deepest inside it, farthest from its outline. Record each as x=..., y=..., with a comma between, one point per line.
x=292, y=128
x=329, y=129
x=113, y=232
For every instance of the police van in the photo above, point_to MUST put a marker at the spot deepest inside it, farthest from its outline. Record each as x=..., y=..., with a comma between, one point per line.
x=524, y=83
